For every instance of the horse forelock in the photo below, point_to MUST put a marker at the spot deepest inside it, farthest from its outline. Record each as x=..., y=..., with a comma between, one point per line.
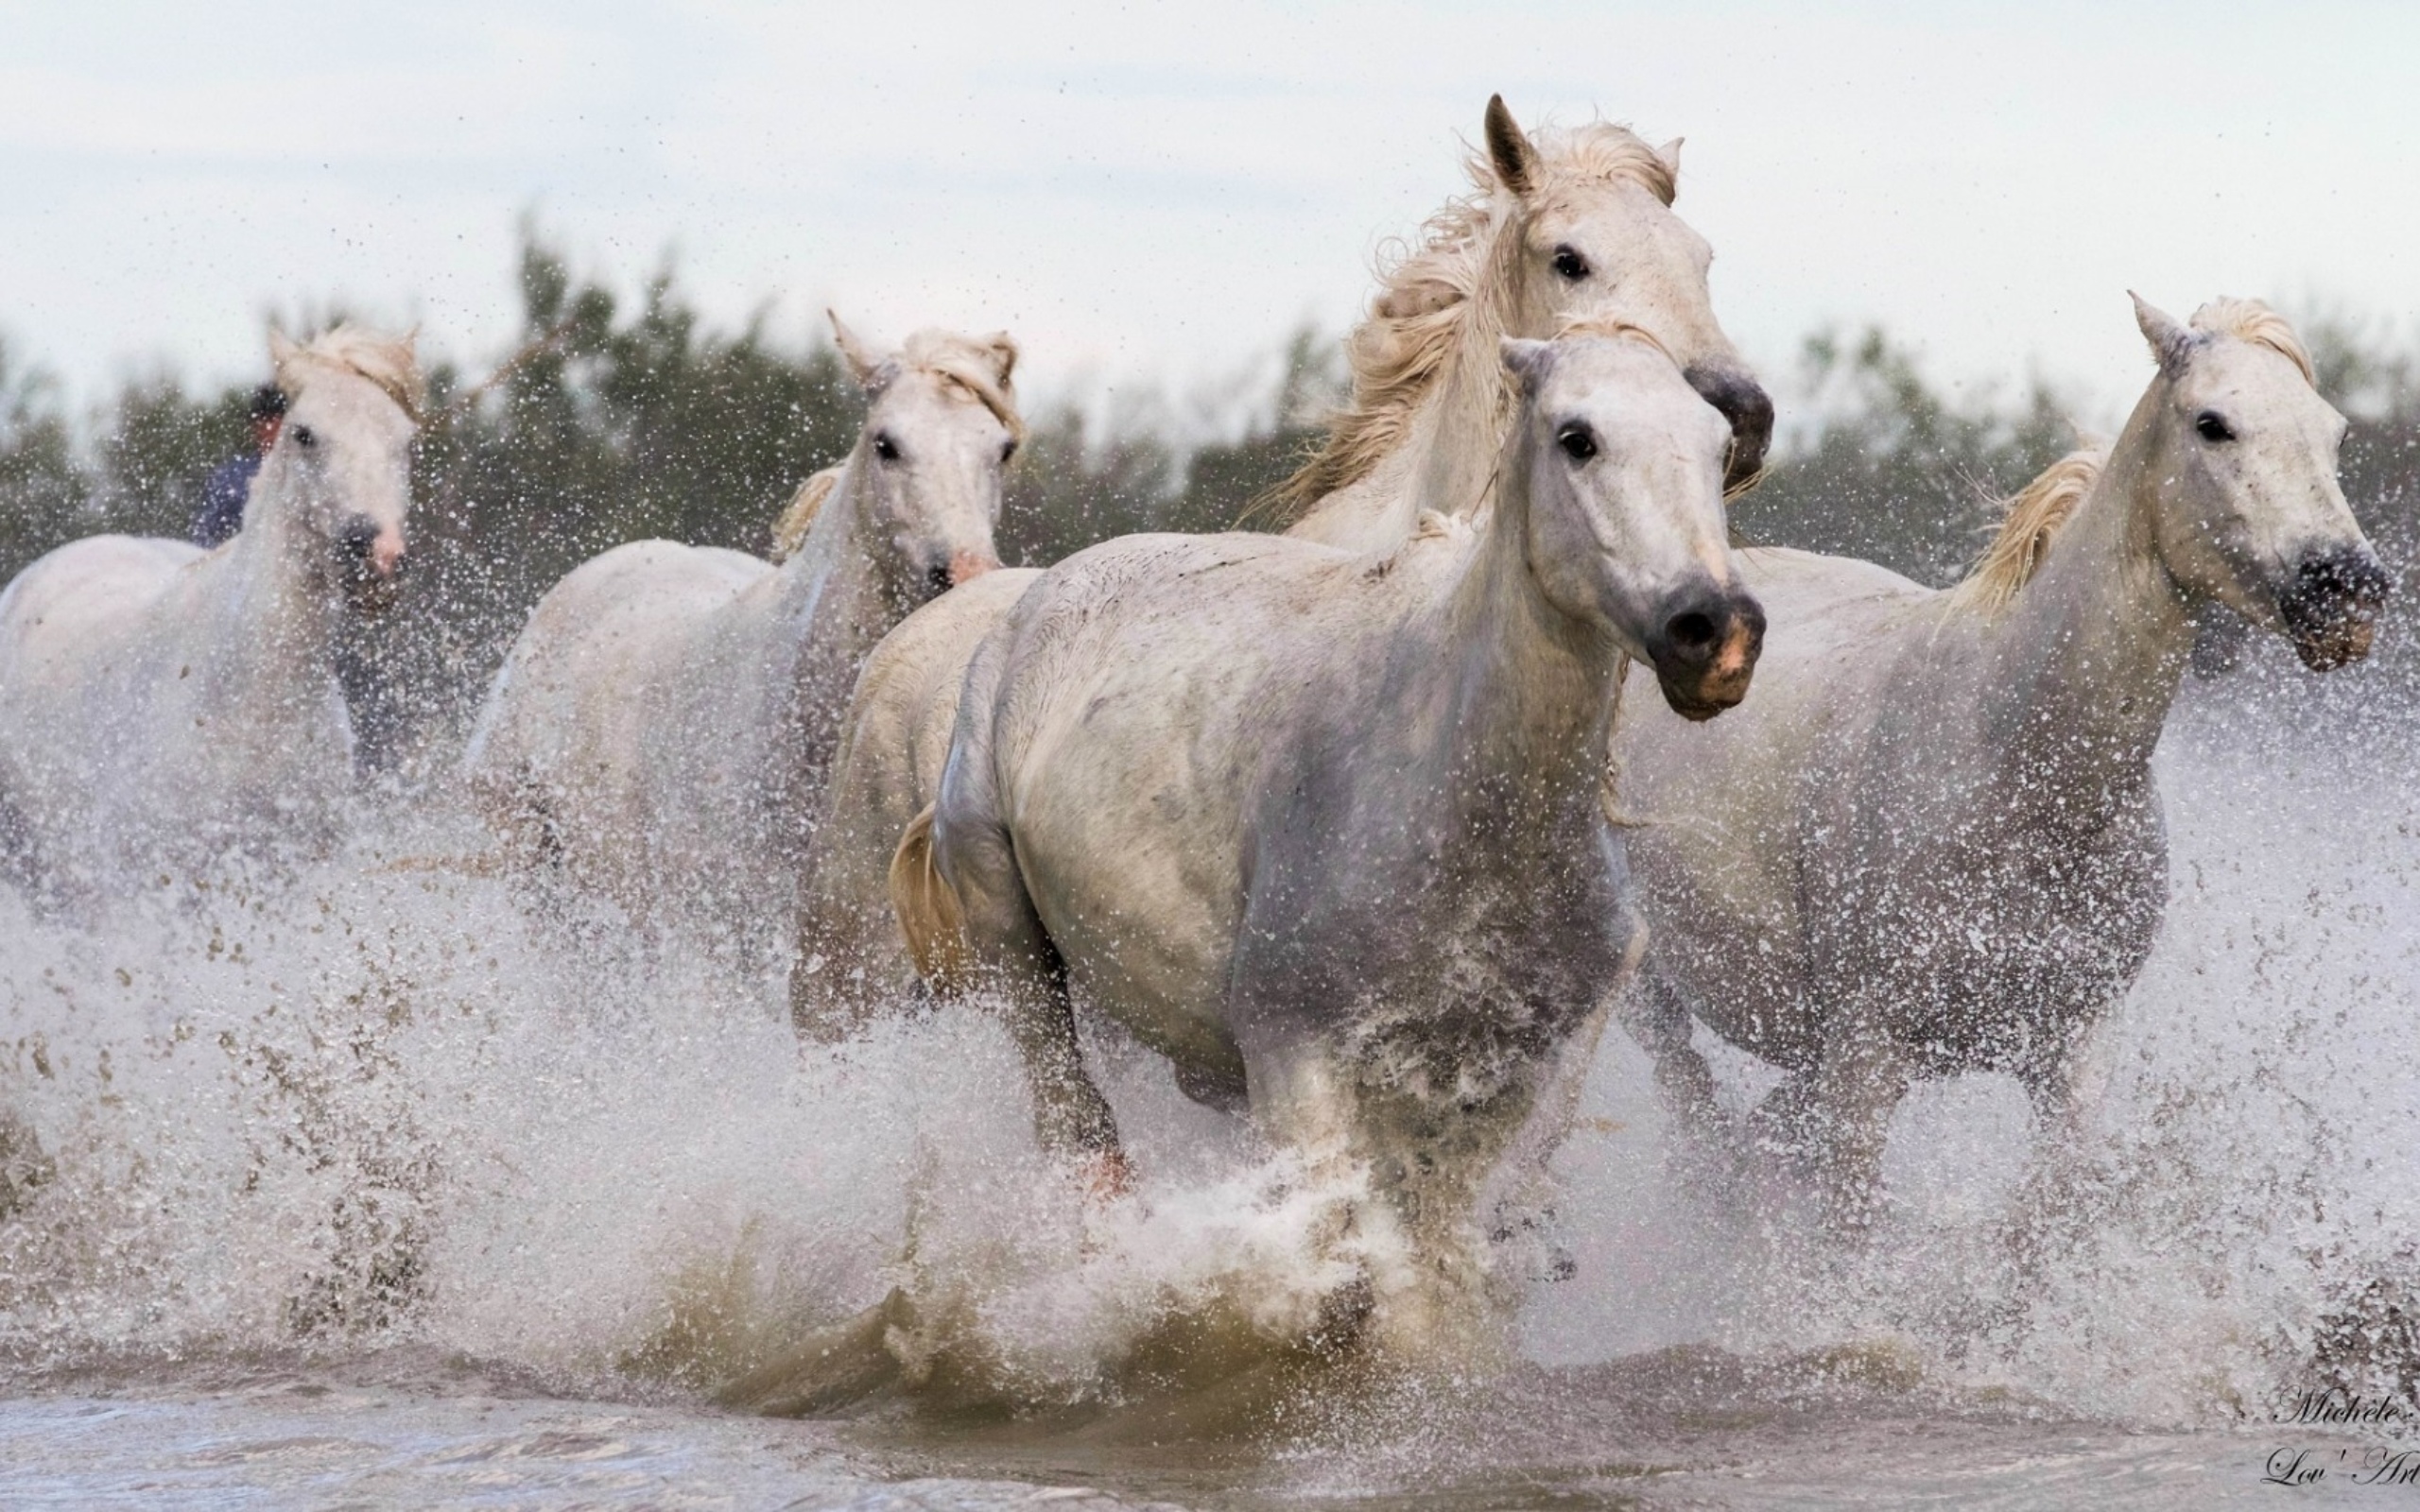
x=2033, y=518
x=970, y=365
x=1616, y=331
x=387, y=363
x=1430, y=300
x=2252, y=321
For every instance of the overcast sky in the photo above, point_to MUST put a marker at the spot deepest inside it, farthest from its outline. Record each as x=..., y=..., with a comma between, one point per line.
x=1156, y=193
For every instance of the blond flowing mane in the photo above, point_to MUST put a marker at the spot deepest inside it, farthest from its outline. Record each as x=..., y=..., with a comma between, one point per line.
x=387, y=362
x=981, y=368
x=790, y=531
x=1432, y=289
x=2033, y=520
x=2251, y=321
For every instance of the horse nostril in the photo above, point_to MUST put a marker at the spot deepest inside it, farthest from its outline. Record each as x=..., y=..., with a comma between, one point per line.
x=1694, y=631
x=936, y=577
x=359, y=535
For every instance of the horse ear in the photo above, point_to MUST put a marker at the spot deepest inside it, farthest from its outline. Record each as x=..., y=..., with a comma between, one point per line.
x=1004, y=355
x=1526, y=359
x=864, y=365
x=282, y=349
x=1671, y=154
x=2169, y=341
x=1510, y=152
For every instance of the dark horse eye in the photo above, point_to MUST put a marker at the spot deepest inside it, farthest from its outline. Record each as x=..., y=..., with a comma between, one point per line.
x=1007, y=449
x=303, y=438
x=885, y=447
x=2213, y=426
x=1568, y=263
x=1578, y=441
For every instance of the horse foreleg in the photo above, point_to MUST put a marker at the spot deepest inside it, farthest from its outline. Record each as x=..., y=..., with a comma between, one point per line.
x=2064, y=1087
x=1857, y=1087
x=1834, y=1119
x=1654, y=1015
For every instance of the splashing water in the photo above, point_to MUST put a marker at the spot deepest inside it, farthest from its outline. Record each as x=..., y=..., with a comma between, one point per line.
x=390, y=1160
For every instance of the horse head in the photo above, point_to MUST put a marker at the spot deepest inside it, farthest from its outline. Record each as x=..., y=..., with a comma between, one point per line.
x=1620, y=462
x=1592, y=240
x=341, y=469
x=942, y=426
x=2242, y=454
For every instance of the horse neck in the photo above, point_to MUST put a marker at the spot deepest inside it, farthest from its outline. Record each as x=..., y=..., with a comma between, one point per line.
x=281, y=607
x=1458, y=435
x=2085, y=663
x=1527, y=691
x=831, y=604
x=1461, y=431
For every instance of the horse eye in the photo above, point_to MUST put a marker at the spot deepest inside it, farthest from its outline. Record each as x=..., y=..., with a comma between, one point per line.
x=2213, y=426
x=303, y=437
x=1578, y=441
x=1568, y=263
x=885, y=447
x=1008, y=451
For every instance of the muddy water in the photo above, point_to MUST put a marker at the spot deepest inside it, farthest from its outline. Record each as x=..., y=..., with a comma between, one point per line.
x=371, y=1186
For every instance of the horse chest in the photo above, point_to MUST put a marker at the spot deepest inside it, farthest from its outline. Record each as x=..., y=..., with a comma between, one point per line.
x=1448, y=987
x=1997, y=941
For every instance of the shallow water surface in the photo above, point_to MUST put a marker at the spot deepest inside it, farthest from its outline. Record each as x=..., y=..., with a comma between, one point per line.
x=379, y=1186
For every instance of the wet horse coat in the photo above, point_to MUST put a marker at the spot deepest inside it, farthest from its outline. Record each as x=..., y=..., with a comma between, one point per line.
x=1325, y=828
x=1573, y=227
x=1932, y=842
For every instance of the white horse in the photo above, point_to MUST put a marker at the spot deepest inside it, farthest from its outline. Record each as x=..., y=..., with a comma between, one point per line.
x=662, y=723
x=1574, y=227
x=1325, y=828
x=1932, y=842
x=157, y=701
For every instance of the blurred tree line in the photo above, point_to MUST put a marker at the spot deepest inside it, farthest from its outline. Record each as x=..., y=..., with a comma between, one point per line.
x=615, y=419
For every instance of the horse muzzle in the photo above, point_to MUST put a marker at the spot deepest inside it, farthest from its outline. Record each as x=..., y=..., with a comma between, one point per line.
x=1704, y=650
x=1736, y=394
x=963, y=566
x=370, y=565
x=2331, y=606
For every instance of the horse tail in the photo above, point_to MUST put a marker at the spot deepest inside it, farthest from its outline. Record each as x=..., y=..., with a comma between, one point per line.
x=929, y=914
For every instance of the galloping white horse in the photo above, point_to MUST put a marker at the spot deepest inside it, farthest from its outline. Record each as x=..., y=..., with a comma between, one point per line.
x=1931, y=843
x=1574, y=227
x=1325, y=828
x=158, y=701
x=662, y=723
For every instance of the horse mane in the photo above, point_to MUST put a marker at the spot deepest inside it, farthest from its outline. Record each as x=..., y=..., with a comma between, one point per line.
x=979, y=367
x=1427, y=300
x=2033, y=518
x=790, y=531
x=387, y=362
x=2251, y=321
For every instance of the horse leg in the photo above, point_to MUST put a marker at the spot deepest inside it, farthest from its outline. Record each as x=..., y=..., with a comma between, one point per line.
x=1832, y=1119
x=2064, y=1085
x=1408, y=1167
x=1013, y=951
x=1854, y=1090
x=1655, y=1016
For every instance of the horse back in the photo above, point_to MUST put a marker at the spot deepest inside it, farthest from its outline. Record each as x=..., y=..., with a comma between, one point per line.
x=85, y=595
